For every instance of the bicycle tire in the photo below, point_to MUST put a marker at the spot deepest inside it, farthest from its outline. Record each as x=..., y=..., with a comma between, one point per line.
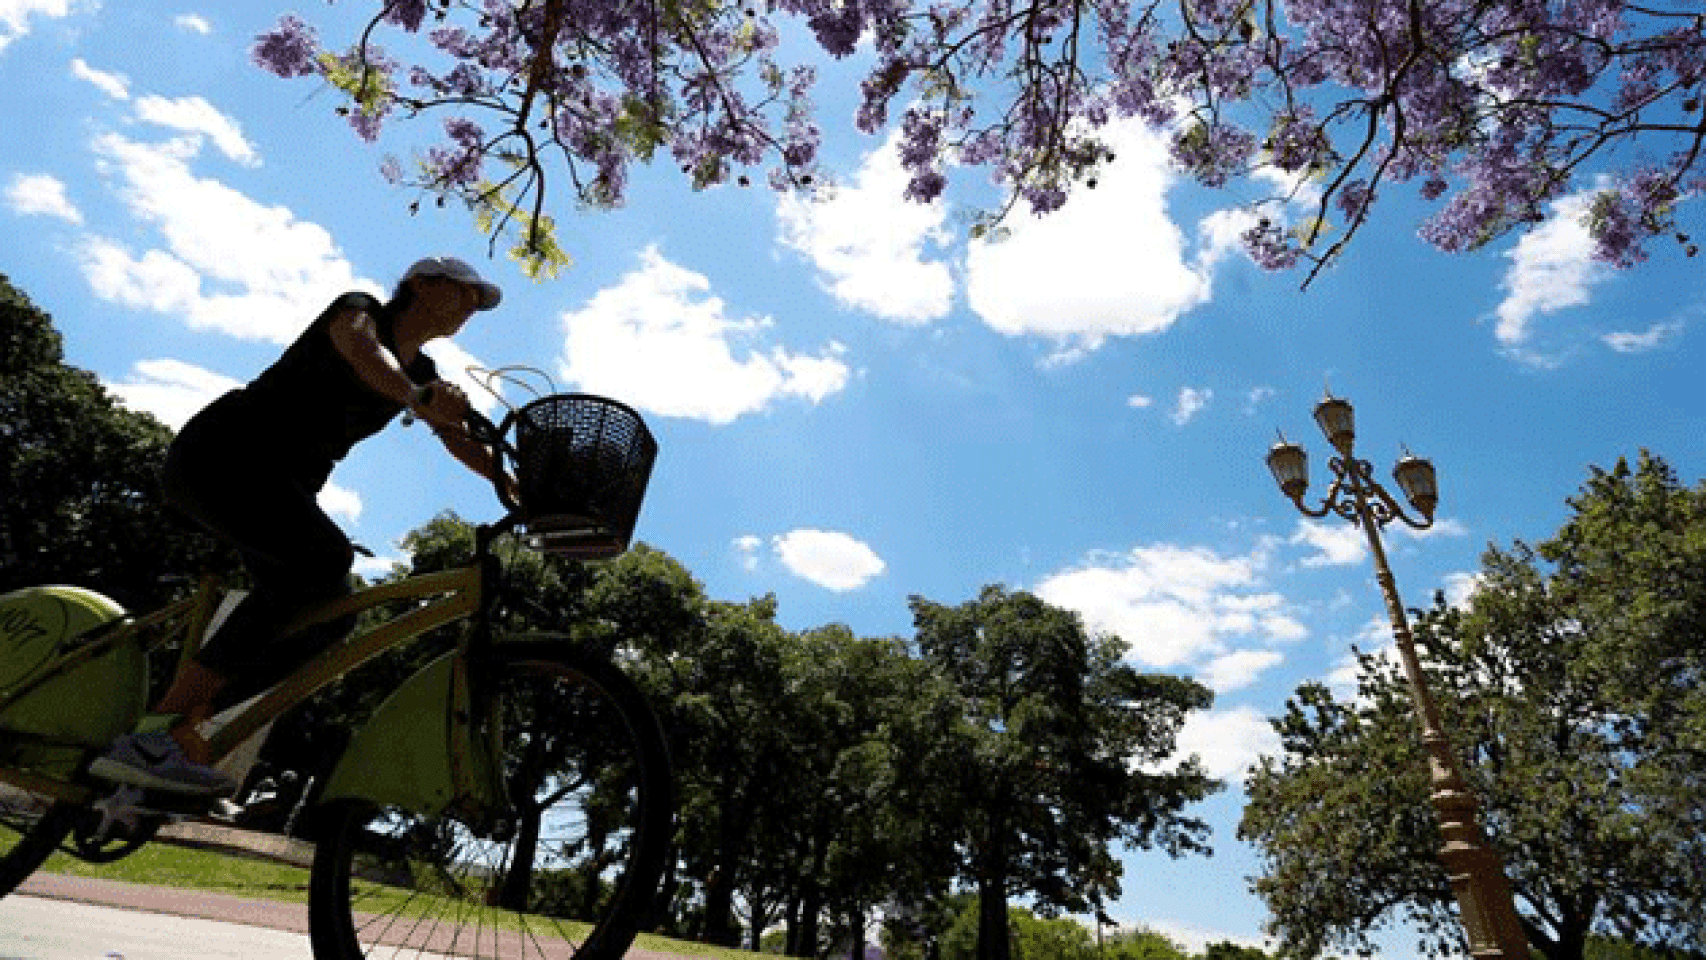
x=31, y=829
x=433, y=884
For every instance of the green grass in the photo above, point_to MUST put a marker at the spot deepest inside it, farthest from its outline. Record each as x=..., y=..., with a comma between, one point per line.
x=164, y=864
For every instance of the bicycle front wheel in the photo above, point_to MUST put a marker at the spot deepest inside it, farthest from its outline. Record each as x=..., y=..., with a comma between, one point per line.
x=574, y=877
x=31, y=828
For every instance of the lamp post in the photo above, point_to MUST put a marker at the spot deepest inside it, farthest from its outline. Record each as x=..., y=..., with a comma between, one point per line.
x=1477, y=874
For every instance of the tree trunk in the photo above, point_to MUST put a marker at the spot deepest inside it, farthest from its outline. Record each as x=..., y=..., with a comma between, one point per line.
x=518, y=879
x=791, y=919
x=993, y=940
x=755, y=920
x=719, y=910
x=856, y=927
x=811, y=903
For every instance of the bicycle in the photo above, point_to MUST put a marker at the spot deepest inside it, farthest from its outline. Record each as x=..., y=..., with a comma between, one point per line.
x=509, y=783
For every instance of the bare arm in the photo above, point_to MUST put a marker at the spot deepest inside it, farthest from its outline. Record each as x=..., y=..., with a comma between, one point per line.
x=443, y=407
x=356, y=336
x=476, y=456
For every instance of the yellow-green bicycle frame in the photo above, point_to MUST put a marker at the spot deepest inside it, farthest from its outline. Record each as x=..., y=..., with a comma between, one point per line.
x=426, y=747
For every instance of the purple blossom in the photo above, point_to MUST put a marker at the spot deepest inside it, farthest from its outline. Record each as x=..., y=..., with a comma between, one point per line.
x=407, y=14
x=926, y=186
x=1270, y=247
x=1213, y=151
x=1353, y=199
x=1298, y=142
x=290, y=50
x=838, y=28
x=1485, y=104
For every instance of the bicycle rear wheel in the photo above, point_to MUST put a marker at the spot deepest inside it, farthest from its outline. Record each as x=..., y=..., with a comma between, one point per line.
x=31, y=828
x=576, y=876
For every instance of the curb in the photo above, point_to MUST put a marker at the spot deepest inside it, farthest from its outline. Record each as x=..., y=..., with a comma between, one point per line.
x=235, y=841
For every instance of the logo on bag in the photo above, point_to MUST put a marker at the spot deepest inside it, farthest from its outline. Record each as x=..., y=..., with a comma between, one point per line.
x=19, y=628
x=27, y=635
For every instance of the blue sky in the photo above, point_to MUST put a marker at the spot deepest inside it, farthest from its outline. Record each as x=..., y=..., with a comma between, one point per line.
x=855, y=404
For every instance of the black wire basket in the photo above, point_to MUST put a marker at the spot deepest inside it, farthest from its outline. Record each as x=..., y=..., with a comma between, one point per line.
x=582, y=464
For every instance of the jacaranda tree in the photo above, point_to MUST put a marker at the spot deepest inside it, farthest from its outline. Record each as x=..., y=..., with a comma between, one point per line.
x=1494, y=108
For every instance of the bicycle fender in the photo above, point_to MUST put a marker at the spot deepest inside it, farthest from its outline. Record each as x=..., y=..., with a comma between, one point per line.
x=419, y=750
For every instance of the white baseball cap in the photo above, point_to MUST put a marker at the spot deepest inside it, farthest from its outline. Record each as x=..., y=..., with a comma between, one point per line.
x=460, y=271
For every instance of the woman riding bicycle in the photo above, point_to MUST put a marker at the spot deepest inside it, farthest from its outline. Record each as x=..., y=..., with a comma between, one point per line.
x=249, y=468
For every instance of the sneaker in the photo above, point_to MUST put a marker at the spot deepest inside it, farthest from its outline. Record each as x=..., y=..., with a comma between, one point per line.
x=154, y=760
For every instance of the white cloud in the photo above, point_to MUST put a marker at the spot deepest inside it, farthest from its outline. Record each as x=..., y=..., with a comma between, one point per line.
x=868, y=242
x=194, y=115
x=455, y=365
x=41, y=194
x=227, y=262
x=1289, y=195
x=1228, y=741
x=193, y=23
x=372, y=568
x=1335, y=544
x=1654, y=337
x=1461, y=586
x=1190, y=403
x=1195, y=939
x=341, y=502
x=1138, y=401
x=1109, y=263
x=746, y=547
x=1375, y=637
x=112, y=84
x=1239, y=669
x=662, y=342
x=1446, y=527
x=1552, y=269
x=1173, y=605
x=828, y=558
x=15, y=16
x=171, y=390
x=1253, y=400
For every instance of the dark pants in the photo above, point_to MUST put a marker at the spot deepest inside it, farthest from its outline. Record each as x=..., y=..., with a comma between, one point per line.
x=223, y=477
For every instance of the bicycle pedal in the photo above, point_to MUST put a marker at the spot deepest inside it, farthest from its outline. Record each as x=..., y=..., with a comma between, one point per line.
x=122, y=814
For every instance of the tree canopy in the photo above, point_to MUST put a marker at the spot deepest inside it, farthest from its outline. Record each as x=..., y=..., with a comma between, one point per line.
x=1571, y=684
x=1057, y=755
x=80, y=498
x=1496, y=108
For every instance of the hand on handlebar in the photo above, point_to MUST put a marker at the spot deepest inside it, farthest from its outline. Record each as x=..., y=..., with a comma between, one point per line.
x=490, y=438
x=443, y=405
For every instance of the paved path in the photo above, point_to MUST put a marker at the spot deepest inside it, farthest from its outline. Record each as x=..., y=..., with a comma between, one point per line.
x=32, y=928
x=94, y=919
x=172, y=901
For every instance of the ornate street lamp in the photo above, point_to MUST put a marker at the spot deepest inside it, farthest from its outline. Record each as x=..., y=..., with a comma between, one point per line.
x=1477, y=875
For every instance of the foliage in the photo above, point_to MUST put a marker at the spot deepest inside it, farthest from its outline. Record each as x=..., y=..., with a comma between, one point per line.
x=1057, y=756
x=1033, y=938
x=1571, y=685
x=80, y=498
x=1505, y=105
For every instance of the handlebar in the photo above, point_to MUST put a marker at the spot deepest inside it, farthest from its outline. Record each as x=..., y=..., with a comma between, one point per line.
x=491, y=436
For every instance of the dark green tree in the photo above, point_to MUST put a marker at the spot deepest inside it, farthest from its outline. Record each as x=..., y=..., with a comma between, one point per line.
x=857, y=815
x=1059, y=755
x=1571, y=685
x=729, y=746
x=1142, y=943
x=80, y=499
x=1227, y=950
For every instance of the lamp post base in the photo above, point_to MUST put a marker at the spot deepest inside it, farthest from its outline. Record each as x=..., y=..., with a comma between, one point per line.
x=1478, y=879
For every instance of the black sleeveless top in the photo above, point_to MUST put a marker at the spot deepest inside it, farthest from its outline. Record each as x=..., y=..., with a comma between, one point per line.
x=305, y=412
